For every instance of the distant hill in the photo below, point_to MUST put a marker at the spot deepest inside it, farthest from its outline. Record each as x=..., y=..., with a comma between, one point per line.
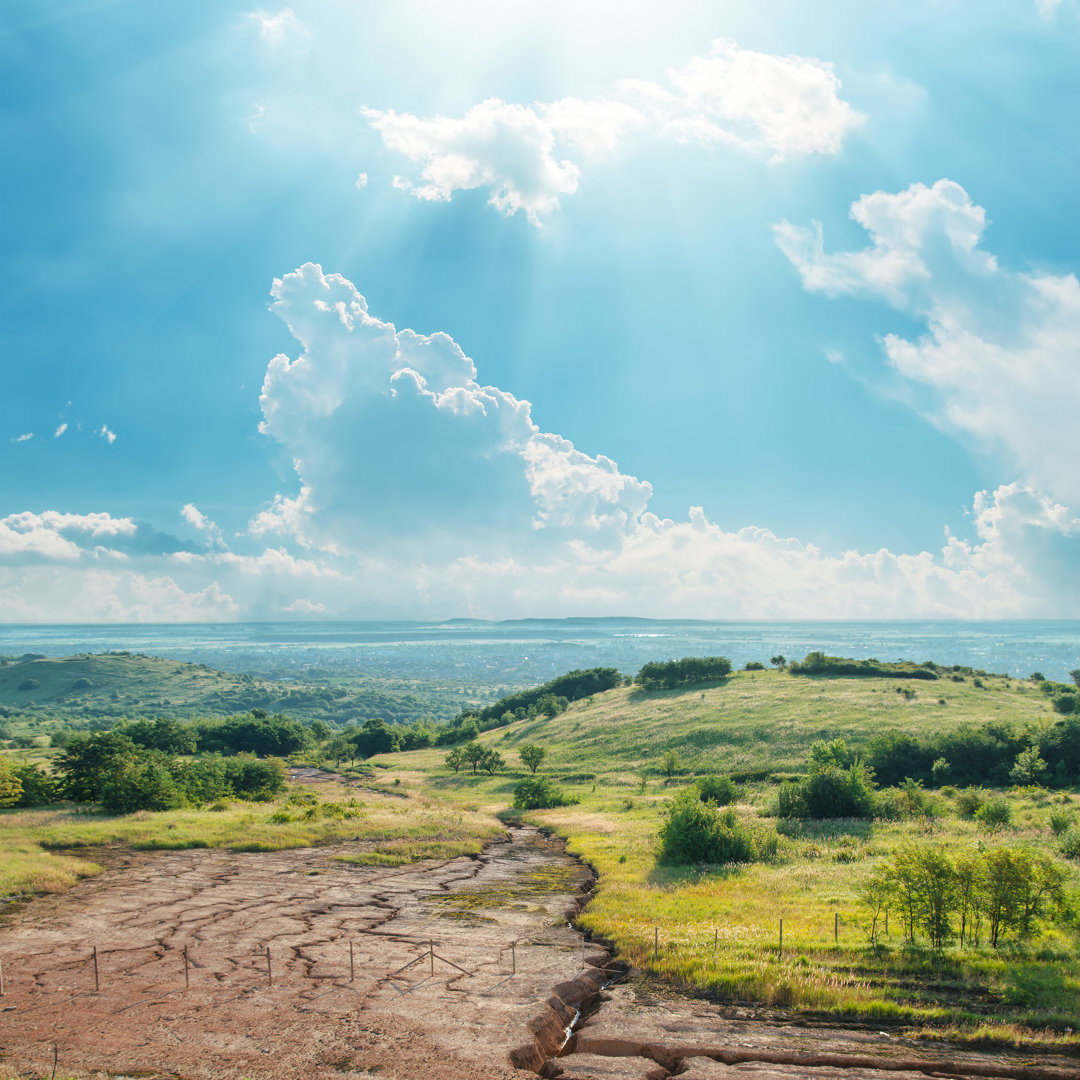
x=126, y=684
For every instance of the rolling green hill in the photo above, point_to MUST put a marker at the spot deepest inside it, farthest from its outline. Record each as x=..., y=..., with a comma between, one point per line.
x=124, y=684
x=760, y=724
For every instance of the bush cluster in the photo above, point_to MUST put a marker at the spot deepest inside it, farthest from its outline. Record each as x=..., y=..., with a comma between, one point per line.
x=700, y=832
x=539, y=793
x=818, y=663
x=669, y=674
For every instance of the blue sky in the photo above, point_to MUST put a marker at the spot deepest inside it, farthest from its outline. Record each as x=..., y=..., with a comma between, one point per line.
x=688, y=310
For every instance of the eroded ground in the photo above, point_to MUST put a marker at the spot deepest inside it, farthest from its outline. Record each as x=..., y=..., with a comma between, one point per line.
x=300, y=964
x=403, y=1013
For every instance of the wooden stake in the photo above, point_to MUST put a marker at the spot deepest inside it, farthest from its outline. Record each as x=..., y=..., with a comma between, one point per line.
x=352, y=964
x=96, y=984
x=55, y=1055
x=187, y=978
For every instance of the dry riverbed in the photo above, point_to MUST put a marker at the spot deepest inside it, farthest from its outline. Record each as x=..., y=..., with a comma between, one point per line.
x=301, y=964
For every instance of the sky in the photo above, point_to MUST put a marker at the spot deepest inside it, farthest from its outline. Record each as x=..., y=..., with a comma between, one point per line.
x=431, y=310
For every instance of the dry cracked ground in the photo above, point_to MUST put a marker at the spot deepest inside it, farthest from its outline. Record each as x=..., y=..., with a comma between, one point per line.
x=296, y=964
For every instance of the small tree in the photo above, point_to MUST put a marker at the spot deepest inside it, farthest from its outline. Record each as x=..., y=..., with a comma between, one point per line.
x=671, y=763
x=473, y=754
x=456, y=758
x=1029, y=768
x=531, y=756
x=779, y=661
x=10, y=785
x=491, y=761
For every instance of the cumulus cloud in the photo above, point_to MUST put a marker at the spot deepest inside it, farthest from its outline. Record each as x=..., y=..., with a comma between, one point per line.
x=782, y=106
x=106, y=434
x=46, y=594
x=198, y=520
x=60, y=430
x=998, y=362
x=386, y=425
x=303, y=606
x=361, y=181
x=430, y=493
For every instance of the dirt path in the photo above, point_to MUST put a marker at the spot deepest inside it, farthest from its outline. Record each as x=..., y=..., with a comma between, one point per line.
x=395, y=1018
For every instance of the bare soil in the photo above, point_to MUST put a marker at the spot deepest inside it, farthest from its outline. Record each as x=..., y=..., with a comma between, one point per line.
x=301, y=965
x=436, y=989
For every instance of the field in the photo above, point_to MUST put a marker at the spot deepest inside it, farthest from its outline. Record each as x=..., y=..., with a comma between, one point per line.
x=34, y=692
x=47, y=850
x=716, y=930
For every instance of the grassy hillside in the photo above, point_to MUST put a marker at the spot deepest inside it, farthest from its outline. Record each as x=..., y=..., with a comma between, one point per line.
x=762, y=723
x=124, y=684
x=718, y=927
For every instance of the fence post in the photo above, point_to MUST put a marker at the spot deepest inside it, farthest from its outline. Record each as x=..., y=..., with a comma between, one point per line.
x=96, y=984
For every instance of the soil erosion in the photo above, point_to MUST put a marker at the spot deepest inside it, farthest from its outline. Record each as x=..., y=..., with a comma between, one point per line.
x=293, y=964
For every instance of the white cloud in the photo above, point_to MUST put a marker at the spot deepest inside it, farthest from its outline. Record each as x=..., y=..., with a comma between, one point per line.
x=430, y=493
x=1047, y=8
x=106, y=434
x=999, y=360
x=387, y=425
x=303, y=606
x=46, y=594
x=784, y=106
x=26, y=437
x=277, y=28
x=198, y=520
x=55, y=535
x=361, y=181
x=507, y=149
x=60, y=431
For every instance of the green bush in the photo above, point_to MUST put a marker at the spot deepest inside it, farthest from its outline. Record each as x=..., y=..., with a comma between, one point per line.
x=754, y=665
x=720, y=790
x=696, y=832
x=995, y=812
x=539, y=793
x=969, y=801
x=669, y=674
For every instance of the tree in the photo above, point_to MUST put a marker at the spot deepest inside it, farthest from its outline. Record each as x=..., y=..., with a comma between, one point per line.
x=1029, y=768
x=143, y=783
x=697, y=832
x=375, y=737
x=491, y=762
x=90, y=760
x=10, y=785
x=472, y=753
x=779, y=661
x=671, y=763
x=538, y=793
x=1075, y=675
x=456, y=758
x=531, y=756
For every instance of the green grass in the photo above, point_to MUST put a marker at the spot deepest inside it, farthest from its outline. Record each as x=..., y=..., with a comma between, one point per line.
x=718, y=929
x=39, y=844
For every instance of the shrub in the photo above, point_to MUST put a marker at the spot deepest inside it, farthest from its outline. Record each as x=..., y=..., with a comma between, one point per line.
x=969, y=801
x=1029, y=768
x=720, y=790
x=1066, y=703
x=696, y=832
x=995, y=812
x=38, y=787
x=29, y=684
x=539, y=793
x=669, y=674
x=1061, y=820
x=1069, y=844
x=754, y=665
